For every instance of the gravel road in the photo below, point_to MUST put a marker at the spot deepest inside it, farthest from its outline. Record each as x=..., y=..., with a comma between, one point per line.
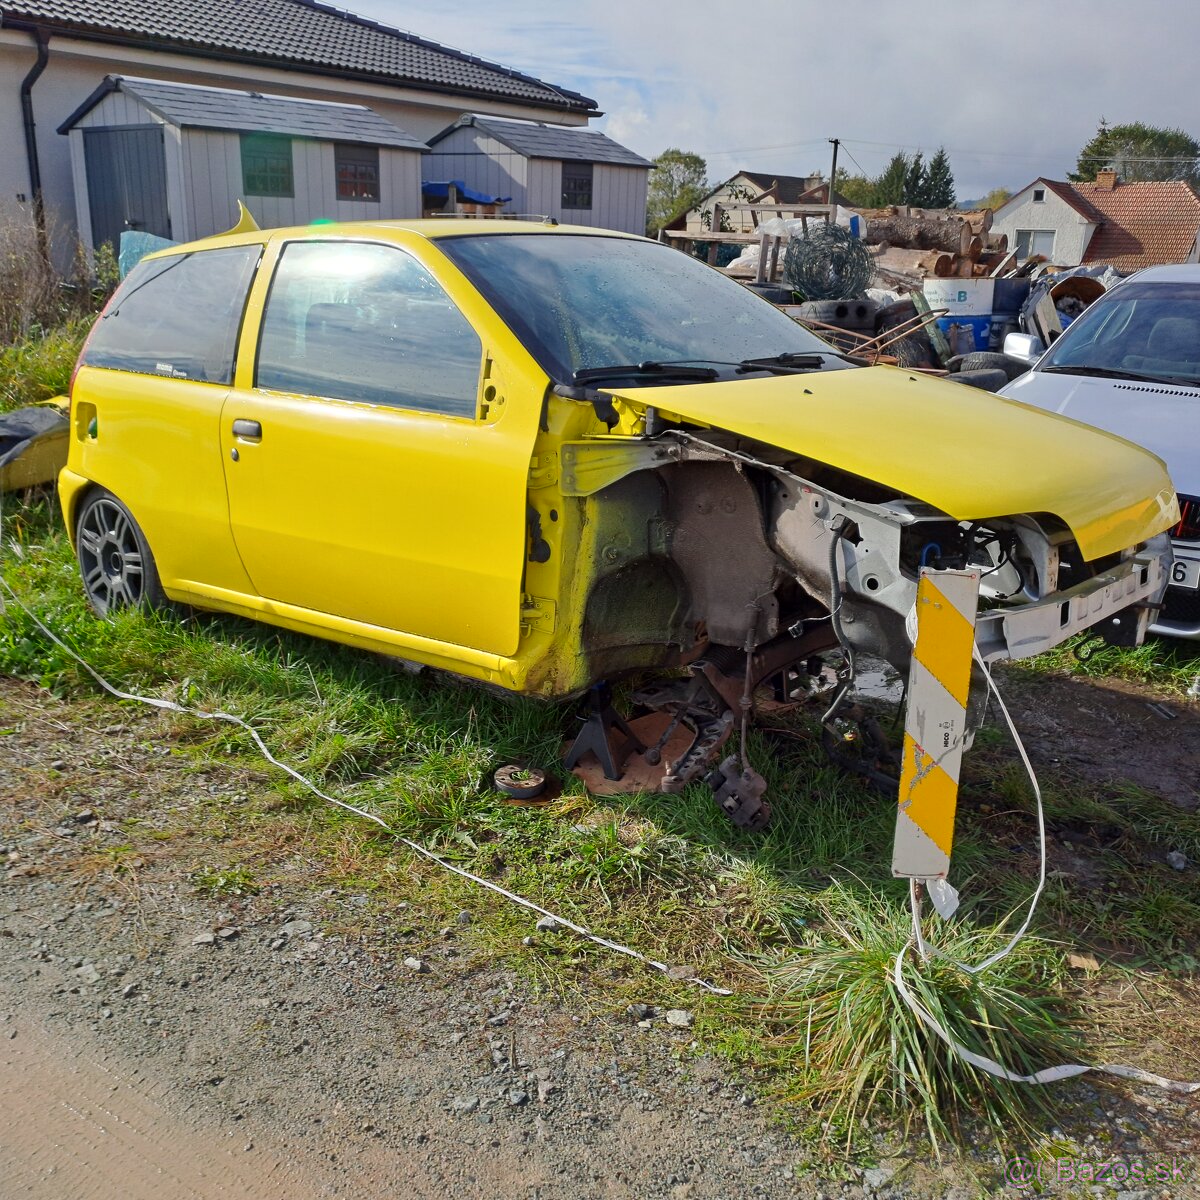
x=155, y=1042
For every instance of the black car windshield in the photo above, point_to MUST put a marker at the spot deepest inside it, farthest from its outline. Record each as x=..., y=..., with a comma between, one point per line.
x=579, y=302
x=1147, y=329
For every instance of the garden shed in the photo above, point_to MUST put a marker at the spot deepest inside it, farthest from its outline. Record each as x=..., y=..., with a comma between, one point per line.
x=173, y=159
x=577, y=176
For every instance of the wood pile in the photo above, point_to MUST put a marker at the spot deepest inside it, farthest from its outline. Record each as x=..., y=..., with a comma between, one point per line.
x=941, y=242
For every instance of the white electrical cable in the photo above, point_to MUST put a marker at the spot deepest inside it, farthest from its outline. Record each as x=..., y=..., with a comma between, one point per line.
x=232, y=719
x=926, y=951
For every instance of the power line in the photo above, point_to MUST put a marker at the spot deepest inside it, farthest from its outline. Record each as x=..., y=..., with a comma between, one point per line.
x=854, y=160
x=758, y=149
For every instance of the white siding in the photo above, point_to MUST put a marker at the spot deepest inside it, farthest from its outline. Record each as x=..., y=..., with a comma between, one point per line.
x=545, y=189
x=481, y=163
x=1072, y=231
x=535, y=184
x=213, y=170
x=618, y=196
x=79, y=173
x=77, y=68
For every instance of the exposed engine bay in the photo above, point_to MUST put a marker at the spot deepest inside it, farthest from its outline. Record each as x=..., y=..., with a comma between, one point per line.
x=756, y=563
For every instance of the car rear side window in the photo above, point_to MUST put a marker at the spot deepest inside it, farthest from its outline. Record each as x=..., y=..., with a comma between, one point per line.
x=361, y=321
x=177, y=316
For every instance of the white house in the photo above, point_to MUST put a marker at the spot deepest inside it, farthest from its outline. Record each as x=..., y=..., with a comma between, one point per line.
x=1047, y=218
x=1144, y=223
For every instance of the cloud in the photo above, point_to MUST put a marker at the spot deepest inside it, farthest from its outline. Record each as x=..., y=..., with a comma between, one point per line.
x=1012, y=92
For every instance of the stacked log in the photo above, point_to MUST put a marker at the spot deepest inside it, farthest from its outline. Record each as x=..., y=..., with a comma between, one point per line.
x=954, y=244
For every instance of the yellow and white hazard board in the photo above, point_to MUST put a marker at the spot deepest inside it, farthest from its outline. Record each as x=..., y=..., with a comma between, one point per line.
x=935, y=722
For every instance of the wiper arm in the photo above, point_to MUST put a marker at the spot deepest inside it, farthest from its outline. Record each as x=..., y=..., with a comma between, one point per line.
x=787, y=363
x=648, y=369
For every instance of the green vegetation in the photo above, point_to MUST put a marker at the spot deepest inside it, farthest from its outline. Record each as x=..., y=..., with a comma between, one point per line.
x=907, y=179
x=39, y=367
x=855, y=1047
x=803, y=921
x=1138, y=151
x=1165, y=663
x=45, y=312
x=677, y=183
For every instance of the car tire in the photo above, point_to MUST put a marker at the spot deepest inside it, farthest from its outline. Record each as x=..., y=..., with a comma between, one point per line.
x=986, y=360
x=115, y=562
x=989, y=381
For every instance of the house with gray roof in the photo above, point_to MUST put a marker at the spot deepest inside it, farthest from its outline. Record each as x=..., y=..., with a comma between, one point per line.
x=54, y=54
x=173, y=159
x=577, y=176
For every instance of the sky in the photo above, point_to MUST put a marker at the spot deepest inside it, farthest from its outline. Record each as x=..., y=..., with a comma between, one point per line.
x=1013, y=90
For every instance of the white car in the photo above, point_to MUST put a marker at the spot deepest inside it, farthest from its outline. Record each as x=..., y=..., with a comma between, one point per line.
x=1131, y=365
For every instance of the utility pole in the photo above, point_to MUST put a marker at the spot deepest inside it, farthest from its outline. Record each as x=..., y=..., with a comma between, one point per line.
x=834, y=142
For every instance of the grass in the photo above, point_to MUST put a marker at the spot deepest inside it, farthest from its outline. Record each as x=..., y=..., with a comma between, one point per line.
x=39, y=368
x=776, y=916
x=1167, y=663
x=856, y=1050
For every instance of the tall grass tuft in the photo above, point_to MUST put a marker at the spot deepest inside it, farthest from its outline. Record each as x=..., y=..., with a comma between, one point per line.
x=39, y=367
x=862, y=1053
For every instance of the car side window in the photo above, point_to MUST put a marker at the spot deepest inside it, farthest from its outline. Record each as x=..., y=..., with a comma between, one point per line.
x=365, y=322
x=177, y=316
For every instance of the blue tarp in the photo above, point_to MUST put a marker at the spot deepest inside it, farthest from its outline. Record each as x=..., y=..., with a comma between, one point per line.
x=441, y=191
x=135, y=245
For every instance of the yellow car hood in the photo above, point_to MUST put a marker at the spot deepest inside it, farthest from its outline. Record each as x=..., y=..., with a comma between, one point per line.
x=967, y=452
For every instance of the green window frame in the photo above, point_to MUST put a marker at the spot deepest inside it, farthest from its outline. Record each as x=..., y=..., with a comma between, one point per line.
x=267, y=165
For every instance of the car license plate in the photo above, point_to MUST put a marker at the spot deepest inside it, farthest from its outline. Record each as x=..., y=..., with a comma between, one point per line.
x=1185, y=572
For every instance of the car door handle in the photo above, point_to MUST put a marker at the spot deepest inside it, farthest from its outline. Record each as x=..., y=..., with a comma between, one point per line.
x=251, y=430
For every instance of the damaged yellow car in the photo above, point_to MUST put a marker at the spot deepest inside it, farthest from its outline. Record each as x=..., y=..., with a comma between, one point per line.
x=546, y=457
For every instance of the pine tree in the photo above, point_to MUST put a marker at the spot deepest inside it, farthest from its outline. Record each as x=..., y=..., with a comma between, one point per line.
x=939, y=182
x=915, y=178
x=889, y=187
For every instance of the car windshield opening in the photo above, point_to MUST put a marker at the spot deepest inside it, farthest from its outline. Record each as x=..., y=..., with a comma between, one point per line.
x=1140, y=330
x=581, y=302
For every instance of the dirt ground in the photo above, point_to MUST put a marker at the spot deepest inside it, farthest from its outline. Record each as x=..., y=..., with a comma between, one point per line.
x=155, y=1042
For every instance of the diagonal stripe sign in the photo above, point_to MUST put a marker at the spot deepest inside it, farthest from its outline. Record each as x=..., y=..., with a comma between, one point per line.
x=935, y=722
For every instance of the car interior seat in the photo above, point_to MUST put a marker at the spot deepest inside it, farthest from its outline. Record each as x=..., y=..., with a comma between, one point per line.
x=1173, y=348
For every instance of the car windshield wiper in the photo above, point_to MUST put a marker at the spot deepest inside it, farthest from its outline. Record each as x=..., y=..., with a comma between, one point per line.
x=787, y=363
x=648, y=370
x=1105, y=373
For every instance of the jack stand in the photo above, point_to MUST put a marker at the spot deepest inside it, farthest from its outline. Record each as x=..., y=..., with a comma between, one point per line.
x=604, y=733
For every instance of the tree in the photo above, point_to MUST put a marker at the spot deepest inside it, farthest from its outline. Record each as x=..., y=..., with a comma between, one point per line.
x=889, y=187
x=939, y=182
x=915, y=179
x=678, y=182
x=1140, y=151
x=857, y=190
x=995, y=198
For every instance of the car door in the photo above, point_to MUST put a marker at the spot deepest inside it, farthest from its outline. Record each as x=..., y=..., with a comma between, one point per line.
x=364, y=481
x=152, y=381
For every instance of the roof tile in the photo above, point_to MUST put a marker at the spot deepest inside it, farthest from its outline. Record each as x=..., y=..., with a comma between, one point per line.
x=304, y=32
x=1144, y=223
x=192, y=107
x=535, y=140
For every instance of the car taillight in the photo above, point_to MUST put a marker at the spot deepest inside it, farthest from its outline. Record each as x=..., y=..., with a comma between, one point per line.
x=1189, y=519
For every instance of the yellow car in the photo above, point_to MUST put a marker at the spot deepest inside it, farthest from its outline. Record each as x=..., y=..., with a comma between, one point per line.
x=543, y=457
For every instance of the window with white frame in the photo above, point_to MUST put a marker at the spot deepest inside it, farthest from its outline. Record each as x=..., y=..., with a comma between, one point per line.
x=1034, y=241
